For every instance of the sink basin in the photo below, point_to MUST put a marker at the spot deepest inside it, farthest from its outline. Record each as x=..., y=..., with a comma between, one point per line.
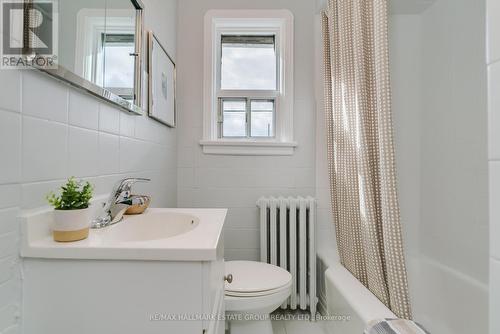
x=152, y=226
x=158, y=234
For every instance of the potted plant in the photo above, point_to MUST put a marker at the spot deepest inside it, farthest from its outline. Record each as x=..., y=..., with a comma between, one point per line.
x=72, y=215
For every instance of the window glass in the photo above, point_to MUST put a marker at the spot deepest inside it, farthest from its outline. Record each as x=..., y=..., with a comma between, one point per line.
x=248, y=62
x=262, y=118
x=119, y=64
x=234, y=118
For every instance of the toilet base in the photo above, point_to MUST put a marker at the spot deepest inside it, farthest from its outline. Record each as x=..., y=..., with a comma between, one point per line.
x=250, y=327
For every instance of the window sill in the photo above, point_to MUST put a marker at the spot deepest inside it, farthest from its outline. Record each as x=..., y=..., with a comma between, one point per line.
x=238, y=147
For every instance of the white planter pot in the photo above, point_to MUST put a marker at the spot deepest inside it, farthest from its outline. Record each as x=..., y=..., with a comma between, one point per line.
x=71, y=225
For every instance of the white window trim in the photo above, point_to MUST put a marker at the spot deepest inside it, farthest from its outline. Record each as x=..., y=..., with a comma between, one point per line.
x=218, y=22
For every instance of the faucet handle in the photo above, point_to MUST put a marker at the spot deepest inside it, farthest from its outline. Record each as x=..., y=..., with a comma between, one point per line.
x=126, y=184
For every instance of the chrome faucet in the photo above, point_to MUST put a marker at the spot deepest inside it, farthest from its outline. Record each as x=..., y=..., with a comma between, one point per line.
x=118, y=202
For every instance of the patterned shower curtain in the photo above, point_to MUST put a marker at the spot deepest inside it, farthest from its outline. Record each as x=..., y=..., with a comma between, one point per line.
x=360, y=148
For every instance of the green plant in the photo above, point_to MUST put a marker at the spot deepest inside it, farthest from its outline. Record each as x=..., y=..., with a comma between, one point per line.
x=75, y=195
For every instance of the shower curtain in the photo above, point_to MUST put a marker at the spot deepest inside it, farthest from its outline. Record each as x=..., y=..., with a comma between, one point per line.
x=361, y=159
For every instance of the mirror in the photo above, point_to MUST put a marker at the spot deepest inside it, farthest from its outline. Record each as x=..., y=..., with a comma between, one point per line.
x=100, y=49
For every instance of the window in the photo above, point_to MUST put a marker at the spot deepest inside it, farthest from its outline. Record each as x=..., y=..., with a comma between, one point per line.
x=248, y=62
x=118, y=71
x=248, y=82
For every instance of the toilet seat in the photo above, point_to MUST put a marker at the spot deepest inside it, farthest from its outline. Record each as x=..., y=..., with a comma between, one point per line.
x=254, y=279
x=259, y=293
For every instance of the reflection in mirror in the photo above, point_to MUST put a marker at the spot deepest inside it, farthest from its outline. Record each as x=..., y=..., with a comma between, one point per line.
x=118, y=74
x=99, y=41
x=105, y=45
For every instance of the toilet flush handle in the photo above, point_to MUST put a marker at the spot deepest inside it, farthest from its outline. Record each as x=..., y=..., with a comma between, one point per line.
x=228, y=278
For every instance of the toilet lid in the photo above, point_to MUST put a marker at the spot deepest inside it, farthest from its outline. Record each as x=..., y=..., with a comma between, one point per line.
x=251, y=277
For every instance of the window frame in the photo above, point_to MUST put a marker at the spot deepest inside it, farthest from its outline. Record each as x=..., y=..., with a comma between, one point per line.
x=278, y=23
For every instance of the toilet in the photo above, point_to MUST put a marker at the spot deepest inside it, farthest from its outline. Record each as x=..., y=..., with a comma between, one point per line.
x=256, y=290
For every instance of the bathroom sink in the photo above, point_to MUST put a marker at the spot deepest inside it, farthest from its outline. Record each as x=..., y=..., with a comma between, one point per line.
x=151, y=226
x=158, y=234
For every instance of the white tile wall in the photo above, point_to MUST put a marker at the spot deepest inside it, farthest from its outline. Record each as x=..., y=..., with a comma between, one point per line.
x=493, y=61
x=493, y=30
x=44, y=98
x=7, y=216
x=109, y=153
x=10, y=195
x=109, y=119
x=10, y=146
x=7, y=269
x=235, y=254
x=10, y=94
x=83, y=152
x=44, y=150
x=495, y=209
x=33, y=193
x=83, y=110
x=493, y=111
x=50, y=131
x=236, y=182
x=494, y=295
x=127, y=124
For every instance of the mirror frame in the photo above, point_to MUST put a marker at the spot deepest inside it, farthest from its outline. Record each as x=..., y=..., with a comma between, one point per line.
x=67, y=76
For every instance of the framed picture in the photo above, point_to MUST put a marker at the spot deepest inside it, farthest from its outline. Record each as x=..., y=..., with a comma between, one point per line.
x=161, y=83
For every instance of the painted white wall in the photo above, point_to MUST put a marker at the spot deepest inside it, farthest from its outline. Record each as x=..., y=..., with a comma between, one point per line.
x=451, y=277
x=405, y=42
x=407, y=7
x=236, y=182
x=493, y=61
x=50, y=131
x=439, y=107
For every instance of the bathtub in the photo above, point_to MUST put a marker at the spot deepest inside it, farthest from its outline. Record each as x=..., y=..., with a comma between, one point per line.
x=348, y=304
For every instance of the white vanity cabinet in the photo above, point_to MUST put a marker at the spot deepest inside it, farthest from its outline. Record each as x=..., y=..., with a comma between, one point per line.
x=92, y=297
x=91, y=288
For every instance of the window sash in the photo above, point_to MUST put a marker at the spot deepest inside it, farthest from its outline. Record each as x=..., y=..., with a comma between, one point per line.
x=236, y=36
x=248, y=118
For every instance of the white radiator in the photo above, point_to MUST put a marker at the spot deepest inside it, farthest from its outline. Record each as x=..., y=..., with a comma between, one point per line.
x=288, y=240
